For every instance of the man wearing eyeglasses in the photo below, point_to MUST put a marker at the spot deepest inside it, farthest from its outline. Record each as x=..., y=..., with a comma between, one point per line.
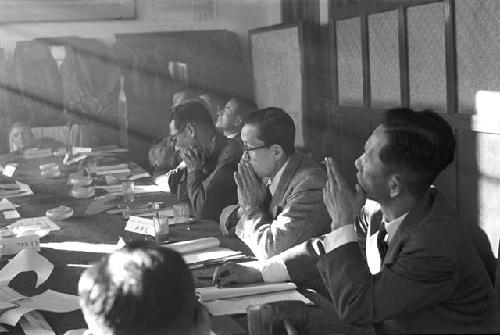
x=279, y=189
x=205, y=177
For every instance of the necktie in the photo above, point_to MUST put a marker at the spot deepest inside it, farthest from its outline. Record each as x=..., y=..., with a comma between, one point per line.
x=381, y=243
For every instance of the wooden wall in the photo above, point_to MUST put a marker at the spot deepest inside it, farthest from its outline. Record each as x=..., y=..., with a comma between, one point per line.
x=423, y=54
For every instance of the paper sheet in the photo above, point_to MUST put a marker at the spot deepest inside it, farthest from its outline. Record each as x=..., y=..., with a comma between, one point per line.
x=80, y=331
x=239, y=305
x=47, y=301
x=8, y=294
x=24, y=189
x=12, y=214
x=213, y=292
x=36, y=223
x=33, y=323
x=208, y=254
x=194, y=245
x=6, y=205
x=26, y=260
x=138, y=189
x=83, y=246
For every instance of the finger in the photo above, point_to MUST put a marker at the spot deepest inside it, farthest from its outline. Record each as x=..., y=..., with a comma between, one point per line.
x=329, y=173
x=360, y=197
x=251, y=173
x=243, y=176
x=336, y=174
x=219, y=273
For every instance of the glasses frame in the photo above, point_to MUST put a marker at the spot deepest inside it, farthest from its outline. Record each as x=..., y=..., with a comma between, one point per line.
x=246, y=149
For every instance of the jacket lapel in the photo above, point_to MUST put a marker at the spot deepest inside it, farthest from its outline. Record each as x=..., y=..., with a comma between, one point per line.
x=286, y=178
x=411, y=221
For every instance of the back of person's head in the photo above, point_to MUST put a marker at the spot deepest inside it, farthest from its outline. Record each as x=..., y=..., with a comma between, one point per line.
x=139, y=289
x=194, y=112
x=244, y=107
x=275, y=127
x=422, y=144
x=184, y=95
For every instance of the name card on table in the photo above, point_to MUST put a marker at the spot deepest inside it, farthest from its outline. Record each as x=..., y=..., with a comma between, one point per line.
x=9, y=170
x=140, y=225
x=37, y=153
x=12, y=245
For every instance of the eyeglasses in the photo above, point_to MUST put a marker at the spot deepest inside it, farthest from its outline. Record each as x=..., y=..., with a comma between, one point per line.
x=246, y=149
x=173, y=138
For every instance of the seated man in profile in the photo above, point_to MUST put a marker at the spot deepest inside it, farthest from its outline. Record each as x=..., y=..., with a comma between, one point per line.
x=205, y=178
x=288, y=212
x=162, y=155
x=401, y=260
x=141, y=290
x=21, y=138
x=231, y=118
x=215, y=102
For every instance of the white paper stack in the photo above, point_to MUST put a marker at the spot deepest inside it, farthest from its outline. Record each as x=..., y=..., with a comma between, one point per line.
x=236, y=299
x=14, y=190
x=202, y=250
x=13, y=305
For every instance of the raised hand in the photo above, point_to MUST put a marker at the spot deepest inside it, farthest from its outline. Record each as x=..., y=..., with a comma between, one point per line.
x=251, y=190
x=341, y=202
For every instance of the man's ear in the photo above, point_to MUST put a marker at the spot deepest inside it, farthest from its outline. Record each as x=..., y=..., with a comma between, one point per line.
x=238, y=121
x=277, y=150
x=394, y=184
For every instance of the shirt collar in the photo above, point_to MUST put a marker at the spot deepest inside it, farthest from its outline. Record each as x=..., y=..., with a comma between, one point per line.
x=392, y=226
x=273, y=183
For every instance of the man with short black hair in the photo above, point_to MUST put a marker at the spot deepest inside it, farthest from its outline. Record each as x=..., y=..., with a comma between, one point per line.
x=290, y=209
x=401, y=259
x=141, y=289
x=205, y=177
x=231, y=118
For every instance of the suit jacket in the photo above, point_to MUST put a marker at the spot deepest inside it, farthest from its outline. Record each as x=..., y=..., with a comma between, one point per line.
x=432, y=279
x=295, y=214
x=213, y=188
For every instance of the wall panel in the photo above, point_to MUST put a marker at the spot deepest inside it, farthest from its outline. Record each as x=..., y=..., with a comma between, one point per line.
x=350, y=69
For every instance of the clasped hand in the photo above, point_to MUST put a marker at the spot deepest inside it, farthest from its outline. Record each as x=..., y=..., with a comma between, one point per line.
x=194, y=157
x=251, y=190
x=341, y=202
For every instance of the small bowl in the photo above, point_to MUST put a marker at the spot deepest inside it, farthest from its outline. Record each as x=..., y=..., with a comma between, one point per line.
x=50, y=173
x=80, y=181
x=83, y=192
x=59, y=213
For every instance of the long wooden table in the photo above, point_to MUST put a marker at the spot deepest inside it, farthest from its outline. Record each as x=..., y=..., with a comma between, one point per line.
x=106, y=229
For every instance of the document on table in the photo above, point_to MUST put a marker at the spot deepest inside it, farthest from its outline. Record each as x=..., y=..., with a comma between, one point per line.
x=211, y=293
x=47, y=301
x=14, y=190
x=205, y=255
x=6, y=205
x=41, y=225
x=26, y=260
x=33, y=323
x=138, y=189
x=239, y=305
x=194, y=245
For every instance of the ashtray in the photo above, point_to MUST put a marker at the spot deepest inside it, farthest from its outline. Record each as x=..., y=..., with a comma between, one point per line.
x=50, y=173
x=80, y=180
x=59, y=213
x=83, y=192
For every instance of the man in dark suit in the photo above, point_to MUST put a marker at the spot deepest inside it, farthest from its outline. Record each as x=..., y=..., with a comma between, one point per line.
x=209, y=160
x=400, y=260
x=290, y=210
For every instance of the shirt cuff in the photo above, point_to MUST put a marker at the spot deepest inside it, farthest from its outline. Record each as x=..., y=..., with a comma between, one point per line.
x=162, y=181
x=339, y=237
x=273, y=270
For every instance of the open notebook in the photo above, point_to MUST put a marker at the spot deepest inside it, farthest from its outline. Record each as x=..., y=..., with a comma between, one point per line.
x=236, y=299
